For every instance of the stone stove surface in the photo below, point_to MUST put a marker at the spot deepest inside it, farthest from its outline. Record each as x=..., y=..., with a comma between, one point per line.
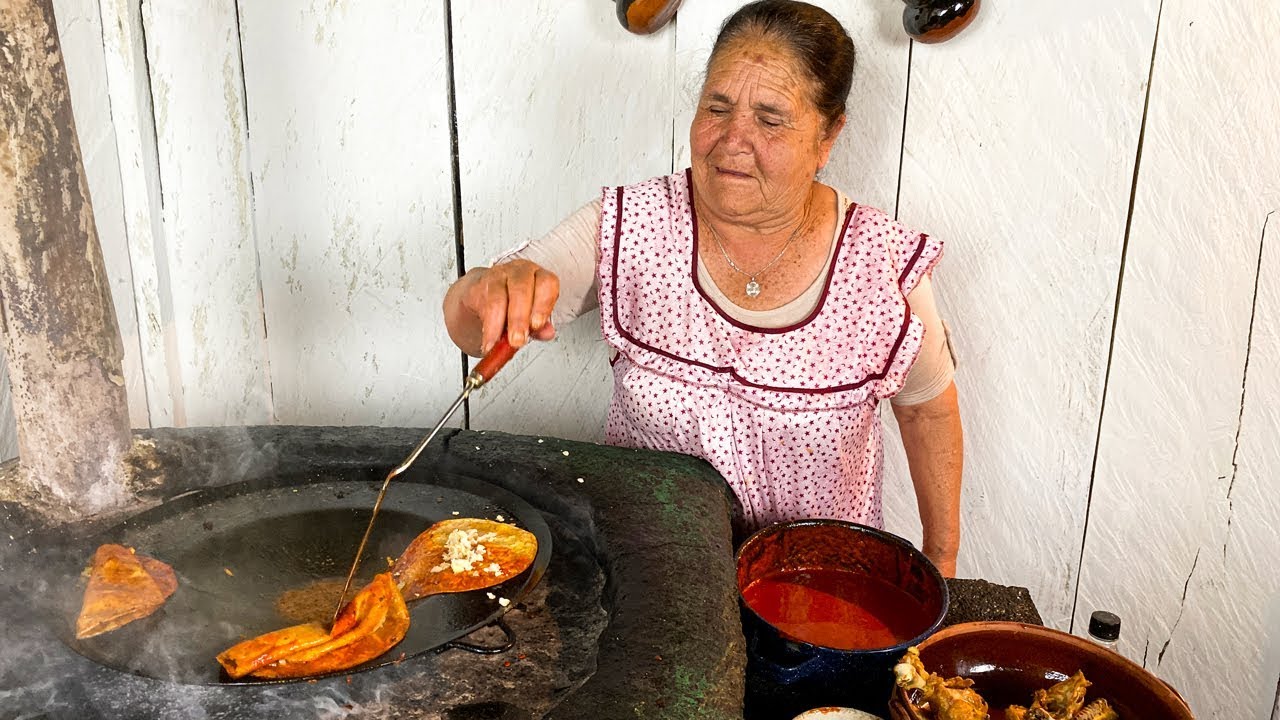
x=636, y=616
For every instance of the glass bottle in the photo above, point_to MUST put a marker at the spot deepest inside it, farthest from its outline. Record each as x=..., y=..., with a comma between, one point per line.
x=1104, y=628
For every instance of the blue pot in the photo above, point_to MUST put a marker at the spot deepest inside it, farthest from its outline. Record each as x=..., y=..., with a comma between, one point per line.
x=786, y=676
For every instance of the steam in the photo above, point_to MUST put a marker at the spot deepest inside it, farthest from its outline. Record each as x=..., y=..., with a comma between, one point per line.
x=42, y=677
x=42, y=698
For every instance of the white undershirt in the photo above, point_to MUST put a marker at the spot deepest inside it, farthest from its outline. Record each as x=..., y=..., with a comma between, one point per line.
x=572, y=251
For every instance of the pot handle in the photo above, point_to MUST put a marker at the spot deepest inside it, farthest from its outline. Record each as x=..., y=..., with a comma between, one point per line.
x=782, y=674
x=509, y=640
x=787, y=674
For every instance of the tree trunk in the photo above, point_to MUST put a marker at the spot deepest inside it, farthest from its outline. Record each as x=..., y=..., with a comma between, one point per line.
x=61, y=338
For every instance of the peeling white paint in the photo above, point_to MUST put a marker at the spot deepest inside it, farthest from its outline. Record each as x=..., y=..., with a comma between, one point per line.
x=210, y=257
x=348, y=127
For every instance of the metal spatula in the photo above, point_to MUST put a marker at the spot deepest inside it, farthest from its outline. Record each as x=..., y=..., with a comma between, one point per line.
x=483, y=372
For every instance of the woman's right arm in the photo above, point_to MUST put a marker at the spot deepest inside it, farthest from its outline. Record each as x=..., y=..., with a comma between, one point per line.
x=520, y=292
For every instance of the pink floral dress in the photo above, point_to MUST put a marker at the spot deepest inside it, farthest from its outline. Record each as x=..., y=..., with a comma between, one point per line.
x=786, y=415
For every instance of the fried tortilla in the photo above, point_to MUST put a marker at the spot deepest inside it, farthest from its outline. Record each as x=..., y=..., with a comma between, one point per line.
x=123, y=586
x=462, y=555
x=375, y=621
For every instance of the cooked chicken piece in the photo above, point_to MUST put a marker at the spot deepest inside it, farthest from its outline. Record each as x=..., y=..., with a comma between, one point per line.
x=123, y=586
x=373, y=622
x=1099, y=709
x=950, y=699
x=1063, y=700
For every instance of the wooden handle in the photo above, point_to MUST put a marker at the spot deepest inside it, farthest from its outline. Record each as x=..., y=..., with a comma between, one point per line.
x=492, y=362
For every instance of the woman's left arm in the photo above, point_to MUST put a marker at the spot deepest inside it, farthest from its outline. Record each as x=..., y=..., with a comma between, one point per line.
x=932, y=437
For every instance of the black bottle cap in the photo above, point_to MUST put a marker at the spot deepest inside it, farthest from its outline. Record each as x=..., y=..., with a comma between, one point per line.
x=1104, y=625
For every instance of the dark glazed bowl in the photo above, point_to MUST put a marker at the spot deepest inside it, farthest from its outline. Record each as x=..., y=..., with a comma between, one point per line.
x=785, y=675
x=933, y=21
x=1009, y=661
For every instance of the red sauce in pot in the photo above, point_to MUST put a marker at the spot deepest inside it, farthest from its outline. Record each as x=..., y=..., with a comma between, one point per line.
x=837, y=608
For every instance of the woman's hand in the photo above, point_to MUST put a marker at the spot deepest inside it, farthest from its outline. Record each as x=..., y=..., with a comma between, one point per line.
x=517, y=296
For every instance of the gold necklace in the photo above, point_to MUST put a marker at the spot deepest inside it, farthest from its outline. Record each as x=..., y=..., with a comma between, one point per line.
x=753, y=287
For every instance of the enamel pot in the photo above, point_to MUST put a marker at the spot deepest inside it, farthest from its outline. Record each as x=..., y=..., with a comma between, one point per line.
x=786, y=674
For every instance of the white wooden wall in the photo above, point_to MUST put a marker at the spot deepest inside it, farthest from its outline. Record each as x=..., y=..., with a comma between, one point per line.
x=1183, y=532
x=552, y=104
x=278, y=205
x=350, y=154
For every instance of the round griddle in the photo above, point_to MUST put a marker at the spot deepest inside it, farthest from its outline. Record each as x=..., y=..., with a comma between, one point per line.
x=236, y=549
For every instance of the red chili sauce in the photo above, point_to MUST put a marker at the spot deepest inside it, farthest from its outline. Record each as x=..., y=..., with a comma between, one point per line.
x=836, y=608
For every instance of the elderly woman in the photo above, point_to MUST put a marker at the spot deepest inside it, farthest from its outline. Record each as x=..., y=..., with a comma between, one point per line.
x=758, y=315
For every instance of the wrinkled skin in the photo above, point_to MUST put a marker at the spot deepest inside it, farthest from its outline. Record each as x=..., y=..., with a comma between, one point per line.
x=375, y=621
x=123, y=587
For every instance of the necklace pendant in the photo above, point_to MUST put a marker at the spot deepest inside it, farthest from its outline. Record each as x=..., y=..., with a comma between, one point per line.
x=753, y=288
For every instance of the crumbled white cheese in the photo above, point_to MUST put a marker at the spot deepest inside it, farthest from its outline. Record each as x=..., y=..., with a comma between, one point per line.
x=491, y=596
x=462, y=551
x=500, y=519
x=581, y=480
x=455, y=512
x=494, y=568
x=564, y=453
x=539, y=441
x=504, y=602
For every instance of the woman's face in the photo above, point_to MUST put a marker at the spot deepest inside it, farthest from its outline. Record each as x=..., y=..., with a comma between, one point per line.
x=757, y=140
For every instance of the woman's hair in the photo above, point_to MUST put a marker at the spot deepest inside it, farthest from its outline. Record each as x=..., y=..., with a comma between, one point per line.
x=817, y=39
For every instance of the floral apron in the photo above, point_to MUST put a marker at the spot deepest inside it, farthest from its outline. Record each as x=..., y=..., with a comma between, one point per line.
x=787, y=415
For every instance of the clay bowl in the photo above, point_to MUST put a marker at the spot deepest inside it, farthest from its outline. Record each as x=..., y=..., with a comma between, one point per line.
x=1009, y=661
x=935, y=21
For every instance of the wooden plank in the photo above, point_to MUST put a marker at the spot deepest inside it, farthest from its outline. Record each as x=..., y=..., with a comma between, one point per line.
x=80, y=34
x=139, y=176
x=1182, y=535
x=572, y=102
x=8, y=424
x=349, y=141
x=1020, y=142
x=1225, y=654
x=210, y=257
